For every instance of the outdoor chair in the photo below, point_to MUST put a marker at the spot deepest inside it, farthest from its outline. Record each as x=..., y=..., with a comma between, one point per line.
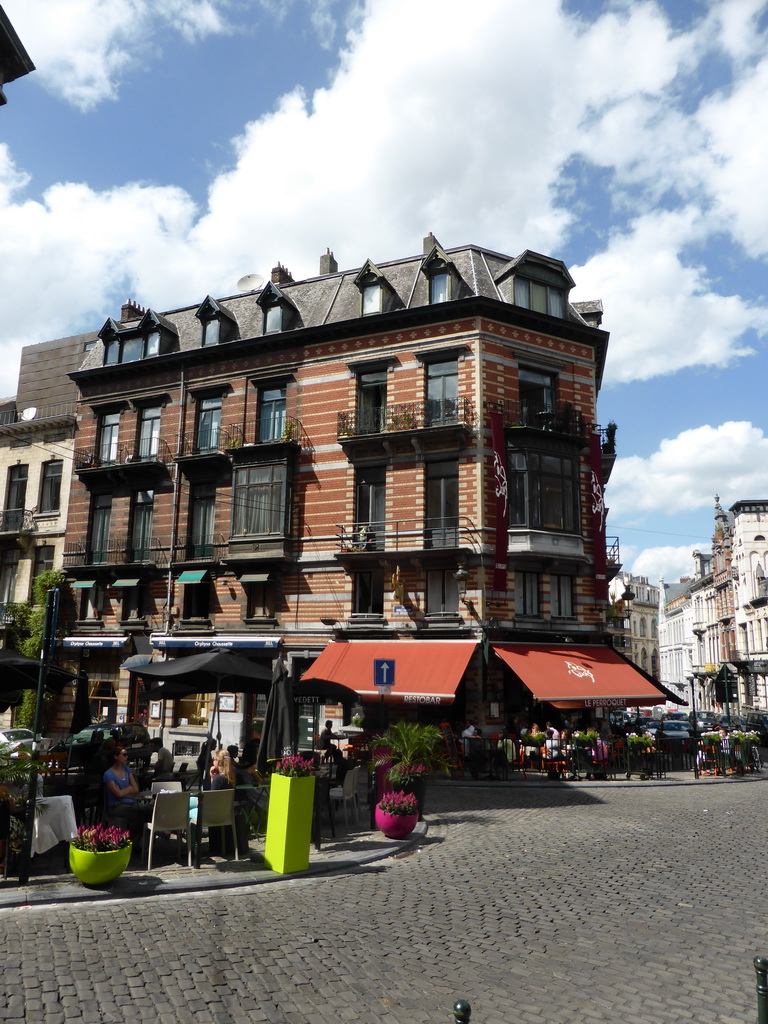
x=170, y=814
x=215, y=809
x=346, y=794
x=252, y=803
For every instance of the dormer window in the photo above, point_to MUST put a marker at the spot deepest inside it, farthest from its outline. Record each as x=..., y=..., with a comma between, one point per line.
x=543, y=298
x=537, y=282
x=217, y=324
x=442, y=277
x=128, y=344
x=275, y=308
x=373, y=289
x=439, y=287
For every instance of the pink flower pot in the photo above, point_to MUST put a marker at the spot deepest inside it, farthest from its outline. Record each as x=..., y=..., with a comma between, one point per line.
x=395, y=826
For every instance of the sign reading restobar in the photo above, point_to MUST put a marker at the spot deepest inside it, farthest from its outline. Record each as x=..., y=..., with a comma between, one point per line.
x=204, y=643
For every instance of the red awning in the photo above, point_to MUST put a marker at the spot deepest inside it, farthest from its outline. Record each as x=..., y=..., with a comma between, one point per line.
x=426, y=671
x=568, y=676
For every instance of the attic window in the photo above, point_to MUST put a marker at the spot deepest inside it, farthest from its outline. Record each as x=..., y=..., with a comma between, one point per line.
x=373, y=287
x=441, y=276
x=274, y=308
x=439, y=287
x=216, y=324
x=128, y=346
x=543, y=298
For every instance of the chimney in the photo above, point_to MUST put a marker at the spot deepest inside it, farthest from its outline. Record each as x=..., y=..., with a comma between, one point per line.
x=131, y=310
x=429, y=243
x=328, y=264
x=281, y=275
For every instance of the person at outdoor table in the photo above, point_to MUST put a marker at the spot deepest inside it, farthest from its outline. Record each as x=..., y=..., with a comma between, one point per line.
x=504, y=754
x=598, y=757
x=163, y=767
x=123, y=791
x=222, y=774
x=555, y=733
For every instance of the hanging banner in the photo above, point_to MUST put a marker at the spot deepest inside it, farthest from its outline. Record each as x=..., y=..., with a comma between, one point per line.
x=598, y=517
x=501, y=491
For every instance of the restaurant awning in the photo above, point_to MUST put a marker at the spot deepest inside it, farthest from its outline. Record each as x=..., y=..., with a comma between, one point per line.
x=569, y=676
x=425, y=671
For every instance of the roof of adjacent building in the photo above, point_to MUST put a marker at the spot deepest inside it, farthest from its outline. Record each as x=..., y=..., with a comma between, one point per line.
x=14, y=59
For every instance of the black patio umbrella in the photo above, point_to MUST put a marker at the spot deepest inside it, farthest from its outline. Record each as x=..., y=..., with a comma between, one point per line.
x=208, y=672
x=19, y=673
x=326, y=690
x=278, y=737
x=81, y=712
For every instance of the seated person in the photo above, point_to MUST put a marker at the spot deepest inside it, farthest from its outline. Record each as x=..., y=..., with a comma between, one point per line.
x=331, y=751
x=597, y=756
x=163, y=766
x=505, y=754
x=550, y=753
x=222, y=775
x=250, y=751
x=123, y=792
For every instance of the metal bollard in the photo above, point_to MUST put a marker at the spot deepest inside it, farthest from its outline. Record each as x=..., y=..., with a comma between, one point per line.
x=761, y=970
x=462, y=1011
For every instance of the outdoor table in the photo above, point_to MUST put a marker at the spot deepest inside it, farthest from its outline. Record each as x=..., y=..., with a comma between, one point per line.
x=55, y=822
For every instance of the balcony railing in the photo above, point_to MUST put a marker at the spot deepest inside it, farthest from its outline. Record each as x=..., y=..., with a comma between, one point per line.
x=44, y=412
x=104, y=456
x=555, y=418
x=407, y=416
x=408, y=534
x=211, y=441
x=612, y=552
x=271, y=431
x=17, y=520
x=203, y=550
x=115, y=552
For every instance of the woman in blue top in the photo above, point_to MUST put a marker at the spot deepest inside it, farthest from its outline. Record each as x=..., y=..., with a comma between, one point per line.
x=122, y=790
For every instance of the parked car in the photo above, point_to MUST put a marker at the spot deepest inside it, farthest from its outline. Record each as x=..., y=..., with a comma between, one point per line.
x=757, y=721
x=672, y=730
x=706, y=721
x=84, y=745
x=17, y=738
x=676, y=716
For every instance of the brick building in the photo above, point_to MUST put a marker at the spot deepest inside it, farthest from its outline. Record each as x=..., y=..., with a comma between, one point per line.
x=327, y=462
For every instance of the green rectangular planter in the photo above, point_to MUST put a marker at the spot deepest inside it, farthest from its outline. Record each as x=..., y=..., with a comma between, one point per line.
x=289, y=823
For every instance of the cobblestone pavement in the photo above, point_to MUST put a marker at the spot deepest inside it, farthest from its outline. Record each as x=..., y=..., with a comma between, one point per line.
x=537, y=905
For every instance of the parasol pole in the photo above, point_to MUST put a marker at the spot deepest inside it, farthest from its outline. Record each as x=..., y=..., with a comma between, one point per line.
x=46, y=648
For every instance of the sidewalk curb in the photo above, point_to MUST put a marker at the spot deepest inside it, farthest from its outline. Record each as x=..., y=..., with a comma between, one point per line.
x=141, y=884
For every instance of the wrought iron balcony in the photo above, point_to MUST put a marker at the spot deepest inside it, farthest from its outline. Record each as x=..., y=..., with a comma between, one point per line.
x=211, y=440
x=407, y=416
x=408, y=535
x=17, y=520
x=275, y=430
x=201, y=550
x=537, y=415
x=151, y=450
x=115, y=552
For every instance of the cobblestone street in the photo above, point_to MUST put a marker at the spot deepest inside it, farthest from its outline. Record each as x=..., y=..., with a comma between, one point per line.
x=536, y=904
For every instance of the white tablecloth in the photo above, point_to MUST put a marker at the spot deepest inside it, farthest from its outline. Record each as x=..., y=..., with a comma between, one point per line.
x=53, y=822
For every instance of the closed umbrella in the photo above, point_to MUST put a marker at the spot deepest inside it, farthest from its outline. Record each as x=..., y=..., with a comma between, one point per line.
x=278, y=736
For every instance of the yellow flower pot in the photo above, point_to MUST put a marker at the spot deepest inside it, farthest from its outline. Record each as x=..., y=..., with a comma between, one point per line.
x=289, y=823
x=98, y=868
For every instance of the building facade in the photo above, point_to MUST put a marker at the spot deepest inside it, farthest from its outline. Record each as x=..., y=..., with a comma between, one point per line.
x=332, y=460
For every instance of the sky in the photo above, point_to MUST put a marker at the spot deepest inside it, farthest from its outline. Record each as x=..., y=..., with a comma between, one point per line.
x=165, y=148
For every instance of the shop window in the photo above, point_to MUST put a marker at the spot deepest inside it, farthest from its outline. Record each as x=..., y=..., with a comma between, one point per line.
x=102, y=696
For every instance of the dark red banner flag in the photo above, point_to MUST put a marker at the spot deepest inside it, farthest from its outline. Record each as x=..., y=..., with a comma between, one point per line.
x=501, y=491
x=598, y=517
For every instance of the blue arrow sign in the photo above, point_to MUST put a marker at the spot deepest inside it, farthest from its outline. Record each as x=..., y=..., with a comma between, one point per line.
x=383, y=671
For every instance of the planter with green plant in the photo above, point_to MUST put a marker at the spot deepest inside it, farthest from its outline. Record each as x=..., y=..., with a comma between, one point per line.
x=99, y=854
x=396, y=814
x=411, y=753
x=289, y=819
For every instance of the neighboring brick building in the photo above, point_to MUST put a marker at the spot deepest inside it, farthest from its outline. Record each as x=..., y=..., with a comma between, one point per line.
x=314, y=460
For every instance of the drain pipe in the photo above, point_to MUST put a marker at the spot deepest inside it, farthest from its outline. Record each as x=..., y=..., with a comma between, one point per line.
x=175, y=509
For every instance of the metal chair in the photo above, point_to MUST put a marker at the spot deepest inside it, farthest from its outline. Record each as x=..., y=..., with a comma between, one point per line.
x=170, y=814
x=346, y=794
x=252, y=803
x=215, y=809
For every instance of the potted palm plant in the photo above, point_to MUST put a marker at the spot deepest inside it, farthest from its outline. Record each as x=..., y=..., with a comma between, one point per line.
x=412, y=753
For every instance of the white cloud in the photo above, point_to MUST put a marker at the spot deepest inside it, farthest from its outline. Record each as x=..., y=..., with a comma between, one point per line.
x=667, y=563
x=688, y=470
x=668, y=314
x=434, y=121
x=82, y=48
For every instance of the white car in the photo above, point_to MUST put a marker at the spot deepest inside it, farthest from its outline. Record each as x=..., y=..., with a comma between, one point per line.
x=16, y=738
